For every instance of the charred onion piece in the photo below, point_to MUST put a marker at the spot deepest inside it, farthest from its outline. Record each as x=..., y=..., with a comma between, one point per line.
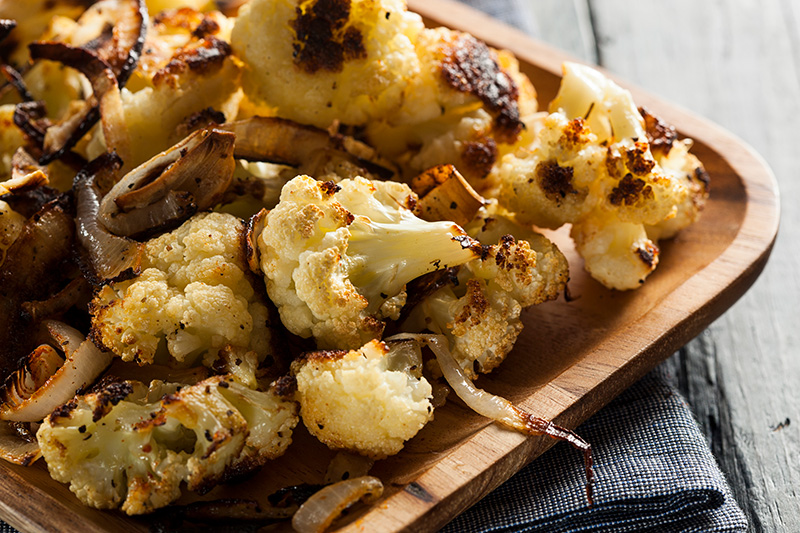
x=121, y=47
x=18, y=447
x=321, y=509
x=6, y=25
x=105, y=101
x=255, y=226
x=283, y=141
x=111, y=256
x=25, y=174
x=76, y=292
x=497, y=408
x=445, y=195
x=171, y=186
x=27, y=117
x=28, y=398
x=16, y=81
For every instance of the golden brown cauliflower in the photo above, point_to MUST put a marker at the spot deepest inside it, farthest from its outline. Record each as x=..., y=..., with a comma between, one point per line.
x=337, y=257
x=122, y=446
x=193, y=292
x=592, y=166
x=369, y=400
x=479, y=311
x=320, y=61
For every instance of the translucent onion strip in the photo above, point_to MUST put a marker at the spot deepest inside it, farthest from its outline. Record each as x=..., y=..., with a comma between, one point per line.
x=497, y=408
x=24, y=401
x=321, y=509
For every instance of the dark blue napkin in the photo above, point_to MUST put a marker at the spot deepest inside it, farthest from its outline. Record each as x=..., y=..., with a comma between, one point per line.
x=654, y=472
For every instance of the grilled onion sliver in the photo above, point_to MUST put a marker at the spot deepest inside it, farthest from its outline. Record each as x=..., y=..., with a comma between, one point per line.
x=321, y=509
x=495, y=407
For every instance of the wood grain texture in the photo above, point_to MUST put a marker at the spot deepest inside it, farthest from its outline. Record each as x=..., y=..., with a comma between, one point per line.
x=738, y=64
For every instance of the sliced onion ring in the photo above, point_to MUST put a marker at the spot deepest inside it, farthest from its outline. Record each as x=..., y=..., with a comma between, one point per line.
x=321, y=509
x=111, y=256
x=14, y=448
x=83, y=364
x=497, y=408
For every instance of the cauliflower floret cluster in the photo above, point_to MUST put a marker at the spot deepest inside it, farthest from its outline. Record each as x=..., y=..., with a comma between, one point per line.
x=369, y=400
x=350, y=60
x=120, y=447
x=193, y=292
x=336, y=257
x=592, y=166
x=479, y=311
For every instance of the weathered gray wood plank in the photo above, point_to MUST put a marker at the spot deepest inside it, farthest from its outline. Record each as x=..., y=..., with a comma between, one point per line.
x=737, y=63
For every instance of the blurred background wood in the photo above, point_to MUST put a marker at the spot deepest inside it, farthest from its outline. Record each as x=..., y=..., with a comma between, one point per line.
x=736, y=63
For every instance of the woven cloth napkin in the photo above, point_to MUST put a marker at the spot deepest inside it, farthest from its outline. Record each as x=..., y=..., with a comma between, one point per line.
x=653, y=472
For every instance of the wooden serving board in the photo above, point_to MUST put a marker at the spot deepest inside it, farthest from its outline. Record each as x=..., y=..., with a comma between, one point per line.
x=571, y=359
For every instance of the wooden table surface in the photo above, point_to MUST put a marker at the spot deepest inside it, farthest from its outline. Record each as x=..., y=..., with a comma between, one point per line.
x=736, y=63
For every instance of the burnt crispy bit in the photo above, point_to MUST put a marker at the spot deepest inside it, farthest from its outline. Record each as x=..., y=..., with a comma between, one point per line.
x=201, y=57
x=479, y=157
x=660, y=134
x=648, y=254
x=323, y=39
x=639, y=160
x=469, y=66
x=629, y=191
x=109, y=397
x=477, y=305
x=285, y=386
x=63, y=411
x=555, y=180
x=575, y=133
x=329, y=188
x=701, y=175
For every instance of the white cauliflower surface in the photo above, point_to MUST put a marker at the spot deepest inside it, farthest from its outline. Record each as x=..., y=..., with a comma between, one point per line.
x=357, y=400
x=346, y=60
x=479, y=312
x=193, y=296
x=336, y=257
x=592, y=166
x=118, y=447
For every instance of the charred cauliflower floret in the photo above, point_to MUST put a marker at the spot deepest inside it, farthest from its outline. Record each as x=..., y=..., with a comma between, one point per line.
x=348, y=60
x=186, y=79
x=467, y=103
x=337, y=257
x=121, y=447
x=193, y=293
x=369, y=400
x=592, y=166
x=479, y=311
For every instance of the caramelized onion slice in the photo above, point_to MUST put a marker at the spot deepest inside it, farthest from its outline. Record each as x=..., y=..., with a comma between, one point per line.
x=16, y=449
x=26, y=174
x=497, y=408
x=83, y=364
x=283, y=141
x=111, y=256
x=190, y=176
x=321, y=509
x=255, y=226
x=122, y=46
x=61, y=137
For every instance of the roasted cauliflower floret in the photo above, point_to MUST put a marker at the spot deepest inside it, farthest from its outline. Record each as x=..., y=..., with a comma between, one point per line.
x=479, y=310
x=592, y=166
x=120, y=447
x=467, y=103
x=369, y=400
x=193, y=292
x=348, y=60
x=336, y=257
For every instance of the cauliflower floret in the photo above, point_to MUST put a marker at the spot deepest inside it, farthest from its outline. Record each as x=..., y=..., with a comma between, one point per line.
x=369, y=400
x=193, y=291
x=336, y=257
x=479, y=312
x=347, y=61
x=592, y=166
x=186, y=76
x=468, y=100
x=120, y=446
